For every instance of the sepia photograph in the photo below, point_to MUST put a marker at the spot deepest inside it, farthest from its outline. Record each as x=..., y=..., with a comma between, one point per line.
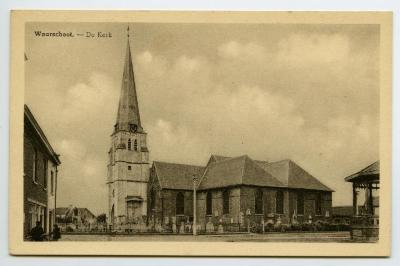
x=269, y=129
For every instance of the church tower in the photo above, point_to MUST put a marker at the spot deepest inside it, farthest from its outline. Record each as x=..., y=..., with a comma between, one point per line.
x=128, y=167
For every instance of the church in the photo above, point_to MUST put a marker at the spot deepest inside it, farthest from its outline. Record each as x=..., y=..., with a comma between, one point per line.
x=232, y=193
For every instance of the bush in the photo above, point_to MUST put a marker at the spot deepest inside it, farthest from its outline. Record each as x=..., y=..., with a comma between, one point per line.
x=69, y=229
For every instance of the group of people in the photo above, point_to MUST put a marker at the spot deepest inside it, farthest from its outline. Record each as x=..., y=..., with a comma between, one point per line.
x=37, y=233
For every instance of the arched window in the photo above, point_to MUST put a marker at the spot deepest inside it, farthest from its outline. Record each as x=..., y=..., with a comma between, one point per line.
x=113, y=193
x=180, y=204
x=300, y=202
x=279, y=202
x=129, y=144
x=135, y=145
x=209, y=203
x=318, y=204
x=225, y=201
x=153, y=199
x=258, y=201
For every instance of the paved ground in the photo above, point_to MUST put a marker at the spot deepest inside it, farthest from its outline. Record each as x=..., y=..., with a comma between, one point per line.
x=272, y=237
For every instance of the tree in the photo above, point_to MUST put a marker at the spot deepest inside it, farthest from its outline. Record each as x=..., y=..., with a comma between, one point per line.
x=102, y=218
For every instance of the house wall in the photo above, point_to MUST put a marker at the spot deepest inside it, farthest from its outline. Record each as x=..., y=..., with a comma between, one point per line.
x=35, y=193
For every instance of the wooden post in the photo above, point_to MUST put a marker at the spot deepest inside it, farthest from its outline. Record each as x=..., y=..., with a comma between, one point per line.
x=355, y=207
x=194, y=229
x=370, y=200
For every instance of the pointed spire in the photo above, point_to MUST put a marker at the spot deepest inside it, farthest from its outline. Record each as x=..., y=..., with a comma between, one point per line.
x=128, y=117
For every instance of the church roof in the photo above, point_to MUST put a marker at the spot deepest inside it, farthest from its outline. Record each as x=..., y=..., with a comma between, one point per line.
x=222, y=171
x=177, y=176
x=237, y=171
x=128, y=116
x=293, y=176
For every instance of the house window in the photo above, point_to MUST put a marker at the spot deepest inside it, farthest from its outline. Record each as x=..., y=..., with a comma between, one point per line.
x=225, y=201
x=300, y=202
x=279, y=202
x=35, y=166
x=135, y=145
x=52, y=182
x=209, y=203
x=180, y=204
x=258, y=201
x=318, y=204
x=45, y=173
x=129, y=144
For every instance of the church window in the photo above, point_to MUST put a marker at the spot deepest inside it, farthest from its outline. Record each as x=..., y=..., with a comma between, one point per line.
x=279, y=201
x=258, y=201
x=300, y=202
x=135, y=145
x=318, y=203
x=113, y=193
x=129, y=144
x=225, y=201
x=209, y=203
x=129, y=167
x=153, y=199
x=180, y=204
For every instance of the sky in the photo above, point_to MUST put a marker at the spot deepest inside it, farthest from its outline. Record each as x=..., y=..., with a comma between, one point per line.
x=272, y=91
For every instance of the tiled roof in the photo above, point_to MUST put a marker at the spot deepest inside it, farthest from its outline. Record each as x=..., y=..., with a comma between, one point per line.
x=293, y=176
x=370, y=170
x=222, y=171
x=236, y=171
x=177, y=176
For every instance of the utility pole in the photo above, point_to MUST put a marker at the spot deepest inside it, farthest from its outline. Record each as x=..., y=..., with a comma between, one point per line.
x=194, y=227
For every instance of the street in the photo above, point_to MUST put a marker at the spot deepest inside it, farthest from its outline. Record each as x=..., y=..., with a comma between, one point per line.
x=272, y=237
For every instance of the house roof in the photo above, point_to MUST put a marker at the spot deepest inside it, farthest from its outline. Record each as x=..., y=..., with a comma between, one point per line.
x=236, y=171
x=369, y=172
x=177, y=176
x=29, y=118
x=61, y=210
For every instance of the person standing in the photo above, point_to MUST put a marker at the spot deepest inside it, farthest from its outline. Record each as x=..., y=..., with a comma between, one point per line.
x=37, y=232
x=56, y=233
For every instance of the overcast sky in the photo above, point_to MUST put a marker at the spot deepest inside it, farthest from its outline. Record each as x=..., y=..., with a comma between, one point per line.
x=305, y=92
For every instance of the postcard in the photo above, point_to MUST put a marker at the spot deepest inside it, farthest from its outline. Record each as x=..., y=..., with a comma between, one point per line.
x=200, y=133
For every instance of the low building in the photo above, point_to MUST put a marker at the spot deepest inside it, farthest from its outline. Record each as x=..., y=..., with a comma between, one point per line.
x=236, y=193
x=81, y=219
x=40, y=176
